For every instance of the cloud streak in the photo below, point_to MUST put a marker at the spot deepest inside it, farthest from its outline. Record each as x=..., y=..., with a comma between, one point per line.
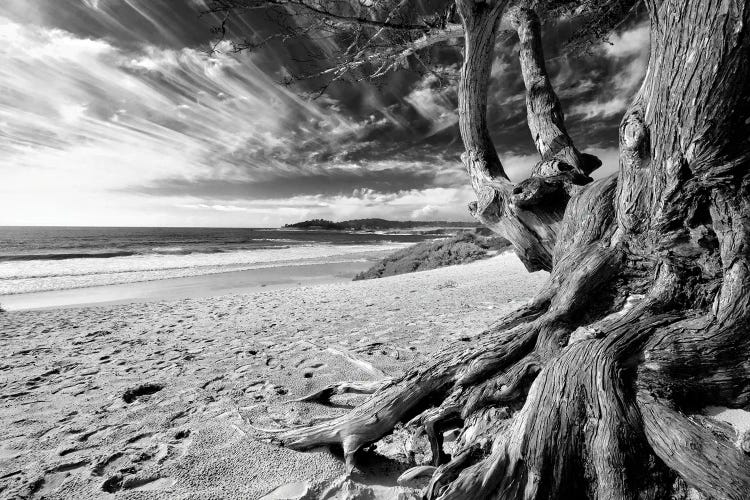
x=112, y=112
x=100, y=117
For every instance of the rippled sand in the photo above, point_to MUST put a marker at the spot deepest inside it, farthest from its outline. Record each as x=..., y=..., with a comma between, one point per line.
x=163, y=399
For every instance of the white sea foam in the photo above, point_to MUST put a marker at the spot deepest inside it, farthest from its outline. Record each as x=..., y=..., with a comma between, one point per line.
x=39, y=275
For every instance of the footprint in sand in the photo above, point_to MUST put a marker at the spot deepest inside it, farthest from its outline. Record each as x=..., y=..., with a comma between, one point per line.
x=54, y=477
x=101, y=466
x=125, y=470
x=178, y=447
x=149, y=484
x=240, y=371
x=139, y=437
x=140, y=391
x=216, y=384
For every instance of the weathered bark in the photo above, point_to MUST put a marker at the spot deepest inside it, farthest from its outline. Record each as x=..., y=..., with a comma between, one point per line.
x=480, y=20
x=595, y=389
x=325, y=394
x=543, y=109
x=528, y=214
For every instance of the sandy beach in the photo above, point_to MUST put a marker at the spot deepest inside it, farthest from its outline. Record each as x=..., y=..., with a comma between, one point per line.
x=164, y=399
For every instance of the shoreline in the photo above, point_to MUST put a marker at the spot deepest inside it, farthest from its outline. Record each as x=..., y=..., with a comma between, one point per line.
x=192, y=286
x=164, y=398
x=52, y=276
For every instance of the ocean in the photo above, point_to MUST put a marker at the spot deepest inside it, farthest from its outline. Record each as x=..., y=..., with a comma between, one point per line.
x=39, y=259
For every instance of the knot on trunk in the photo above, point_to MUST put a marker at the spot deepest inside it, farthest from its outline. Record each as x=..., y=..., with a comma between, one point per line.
x=551, y=168
x=486, y=205
x=554, y=167
x=634, y=140
x=540, y=190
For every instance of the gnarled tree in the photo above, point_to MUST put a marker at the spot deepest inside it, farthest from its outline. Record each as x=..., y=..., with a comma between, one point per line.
x=595, y=388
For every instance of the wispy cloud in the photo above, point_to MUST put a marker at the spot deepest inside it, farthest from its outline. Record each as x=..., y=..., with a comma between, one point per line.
x=112, y=112
x=82, y=116
x=627, y=56
x=382, y=177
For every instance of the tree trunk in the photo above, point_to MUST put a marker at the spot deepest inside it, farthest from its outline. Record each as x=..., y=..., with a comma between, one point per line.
x=595, y=389
x=528, y=214
x=544, y=112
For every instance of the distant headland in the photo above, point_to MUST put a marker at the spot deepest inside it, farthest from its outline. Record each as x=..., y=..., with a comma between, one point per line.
x=373, y=224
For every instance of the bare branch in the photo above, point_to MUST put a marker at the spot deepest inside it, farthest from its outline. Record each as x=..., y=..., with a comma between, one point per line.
x=223, y=6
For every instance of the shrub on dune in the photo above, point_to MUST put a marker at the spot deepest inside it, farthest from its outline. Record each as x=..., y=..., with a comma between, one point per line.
x=459, y=249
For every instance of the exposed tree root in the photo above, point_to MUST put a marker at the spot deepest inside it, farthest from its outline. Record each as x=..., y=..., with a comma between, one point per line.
x=508, y=386
x=576, y=414
x=434, y=422
x=579, y=428
x=704, y=459
x=408, y=396
x=695, y=363
x=447, y=474
x=325, y=394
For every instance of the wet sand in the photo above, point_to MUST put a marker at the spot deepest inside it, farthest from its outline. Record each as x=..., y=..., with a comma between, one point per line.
x=206, y=285
x=163, y=399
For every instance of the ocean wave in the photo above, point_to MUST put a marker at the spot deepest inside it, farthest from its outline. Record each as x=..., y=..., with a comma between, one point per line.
x=66, y=256
x=79, y=254
x=197, y=263
x=50, y=283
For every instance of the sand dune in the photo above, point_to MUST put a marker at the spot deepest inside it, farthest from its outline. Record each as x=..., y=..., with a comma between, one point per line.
x=164, y=399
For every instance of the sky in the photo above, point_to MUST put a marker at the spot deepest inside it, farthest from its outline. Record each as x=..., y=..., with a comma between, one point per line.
x=115, y=113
